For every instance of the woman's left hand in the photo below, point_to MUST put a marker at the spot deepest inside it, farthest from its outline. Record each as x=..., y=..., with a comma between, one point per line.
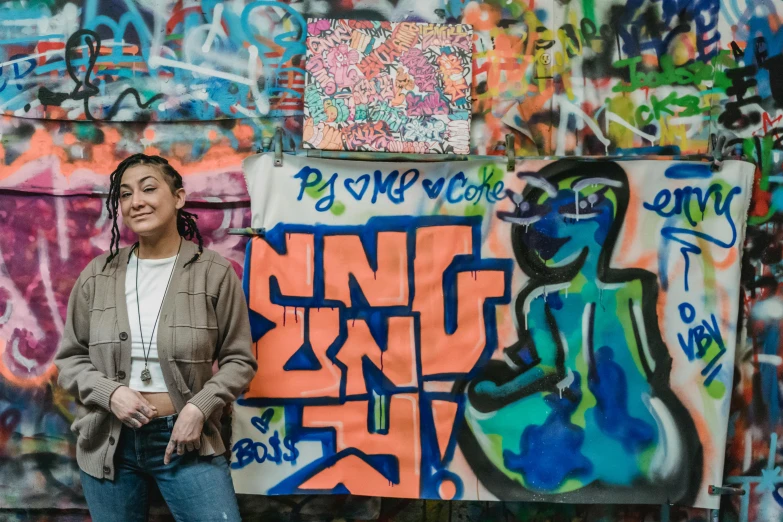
x=186, y=435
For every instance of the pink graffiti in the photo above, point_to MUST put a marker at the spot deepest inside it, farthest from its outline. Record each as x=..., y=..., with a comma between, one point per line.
x=342, y=62
x=318, y=27
x=423, y=72
x=27, y=355
x=316, y=68
x=339, y=34
x=445, y=36
x=426, y=105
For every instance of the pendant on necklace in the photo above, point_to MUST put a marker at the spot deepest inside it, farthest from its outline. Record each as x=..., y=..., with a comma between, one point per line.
x=145, y=375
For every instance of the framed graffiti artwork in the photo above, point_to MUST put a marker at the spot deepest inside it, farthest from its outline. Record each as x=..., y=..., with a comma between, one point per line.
x=564, y=332
x=386, y=86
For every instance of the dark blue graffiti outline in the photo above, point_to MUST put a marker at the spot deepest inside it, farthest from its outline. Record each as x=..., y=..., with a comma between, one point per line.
x=682, y=200
x=434, y=468
x=85, y=89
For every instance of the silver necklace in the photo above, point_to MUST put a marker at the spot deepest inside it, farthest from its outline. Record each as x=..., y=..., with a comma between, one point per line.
x=145, y=373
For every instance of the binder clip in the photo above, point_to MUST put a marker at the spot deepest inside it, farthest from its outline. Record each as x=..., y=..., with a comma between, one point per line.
x=716, y=152
x=278, y=147
x=511, y=159
x=248, y=231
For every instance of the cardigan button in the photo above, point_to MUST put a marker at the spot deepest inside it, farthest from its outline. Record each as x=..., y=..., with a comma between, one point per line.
x=111, y=441
x=106, y=469
x=123, y=336
x=120, y=375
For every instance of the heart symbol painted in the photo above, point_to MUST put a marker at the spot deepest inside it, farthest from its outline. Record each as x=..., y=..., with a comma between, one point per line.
x=350, y=183
x=433, y=189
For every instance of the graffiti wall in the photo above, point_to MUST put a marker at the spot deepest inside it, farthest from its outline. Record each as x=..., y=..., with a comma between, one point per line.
x=572, y=78
x=562, y=332
x=85, y=83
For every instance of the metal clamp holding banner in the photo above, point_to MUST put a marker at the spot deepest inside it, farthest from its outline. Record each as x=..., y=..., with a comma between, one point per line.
x=716, y=151
x=278, y=147
x=510, y=152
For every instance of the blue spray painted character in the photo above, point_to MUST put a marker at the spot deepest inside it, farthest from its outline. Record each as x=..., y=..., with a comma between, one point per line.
x=580, y=408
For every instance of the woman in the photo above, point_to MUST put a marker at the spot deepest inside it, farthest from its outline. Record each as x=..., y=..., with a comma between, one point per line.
x=144, y=326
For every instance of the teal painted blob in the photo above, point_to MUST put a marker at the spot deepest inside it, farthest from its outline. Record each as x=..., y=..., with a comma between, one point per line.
x=777, y=197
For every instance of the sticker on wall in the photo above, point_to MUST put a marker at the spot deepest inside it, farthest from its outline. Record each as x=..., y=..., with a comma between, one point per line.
x=562, y=333
x=389, y=87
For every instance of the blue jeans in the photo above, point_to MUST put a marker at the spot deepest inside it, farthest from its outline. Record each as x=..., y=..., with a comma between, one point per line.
x=195, y=488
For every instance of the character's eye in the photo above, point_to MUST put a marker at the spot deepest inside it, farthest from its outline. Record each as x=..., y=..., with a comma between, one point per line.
x=583, y=206
x=525, y=213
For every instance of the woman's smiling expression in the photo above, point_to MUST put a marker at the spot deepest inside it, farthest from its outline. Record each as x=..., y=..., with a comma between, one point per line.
x=149, y=205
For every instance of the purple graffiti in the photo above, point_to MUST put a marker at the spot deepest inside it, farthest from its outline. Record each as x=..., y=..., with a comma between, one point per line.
x=423, y=72
x=427, y=105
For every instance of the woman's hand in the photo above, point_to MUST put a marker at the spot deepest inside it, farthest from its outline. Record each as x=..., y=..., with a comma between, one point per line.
x=186, y=435
x=131, y=407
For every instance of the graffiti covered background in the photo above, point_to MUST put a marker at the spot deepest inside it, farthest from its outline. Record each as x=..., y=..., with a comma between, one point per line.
x=381, y=86
x=45, y=244
x=217, y=78
x=563, y=332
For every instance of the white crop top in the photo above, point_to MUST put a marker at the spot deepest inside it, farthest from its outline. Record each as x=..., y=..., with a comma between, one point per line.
x=153, y=276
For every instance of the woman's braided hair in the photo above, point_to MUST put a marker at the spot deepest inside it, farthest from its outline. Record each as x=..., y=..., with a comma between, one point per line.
x=186, y=222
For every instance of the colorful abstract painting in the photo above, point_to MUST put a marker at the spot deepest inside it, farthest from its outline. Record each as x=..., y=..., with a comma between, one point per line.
x=384, y=86
x=564, y=332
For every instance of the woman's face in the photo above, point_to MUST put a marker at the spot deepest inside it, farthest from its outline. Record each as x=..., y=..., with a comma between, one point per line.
x=147, y=202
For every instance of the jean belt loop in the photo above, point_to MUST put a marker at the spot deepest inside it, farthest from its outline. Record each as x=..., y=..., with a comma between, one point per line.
x=170, y=421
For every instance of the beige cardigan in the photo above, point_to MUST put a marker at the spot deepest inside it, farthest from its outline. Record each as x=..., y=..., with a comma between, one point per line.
x=204, y=318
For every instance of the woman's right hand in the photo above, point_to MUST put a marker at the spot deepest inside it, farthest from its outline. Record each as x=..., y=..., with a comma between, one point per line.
x=131, y=407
